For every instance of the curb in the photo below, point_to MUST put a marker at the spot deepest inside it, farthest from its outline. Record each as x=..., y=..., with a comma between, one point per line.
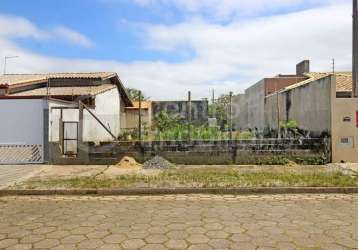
x=178, y=191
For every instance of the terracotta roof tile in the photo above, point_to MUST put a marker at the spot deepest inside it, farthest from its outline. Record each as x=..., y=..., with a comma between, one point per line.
x=13, y=79
x=145, y=105
x=343, y=80
x=67, y=91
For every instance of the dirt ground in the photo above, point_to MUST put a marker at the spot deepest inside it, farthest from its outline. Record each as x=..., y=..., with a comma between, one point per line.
x=70, y=171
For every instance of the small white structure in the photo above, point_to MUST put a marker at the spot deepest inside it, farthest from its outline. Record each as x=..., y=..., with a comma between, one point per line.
x=42, y=108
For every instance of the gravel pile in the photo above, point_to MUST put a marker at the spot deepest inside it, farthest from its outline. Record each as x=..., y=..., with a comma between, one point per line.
x=157, y=162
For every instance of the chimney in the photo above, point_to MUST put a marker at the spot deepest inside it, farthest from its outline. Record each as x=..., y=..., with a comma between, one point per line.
x=355, y=49
x=303, y=67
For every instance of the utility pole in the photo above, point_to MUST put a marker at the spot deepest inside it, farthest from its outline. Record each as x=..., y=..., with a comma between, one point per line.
x=213, y=96
x=189, y=115
x=5, y=61
x=140, y=117
x=333, y=66
x=230, y=115
x=213, y=103
x=278, y=110
x=355, y=49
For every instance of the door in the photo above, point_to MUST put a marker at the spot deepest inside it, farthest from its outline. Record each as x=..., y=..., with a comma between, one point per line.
x=70, y=138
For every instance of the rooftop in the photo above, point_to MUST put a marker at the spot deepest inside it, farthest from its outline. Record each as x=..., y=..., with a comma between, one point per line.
x=67, y=91
x=343, y=80
x=13, y=79
x=144, y=105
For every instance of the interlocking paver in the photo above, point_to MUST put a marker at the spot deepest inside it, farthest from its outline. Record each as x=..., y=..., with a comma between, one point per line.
x=46, y=243
x=57, y=234
x=200, y=247
x=154, y=247
x=176, y=244
x=217, y=234
x=156, y=238
x=198, y=238
x=32, y=238
x=219, y=243
x=114, y=238
x=90, y=244
x=177, y=235
x=179, y=222
x=110, y=247
x=133, y=244
x=20, y=247
x=7, y=243
x=97, y=235
x=73, y=239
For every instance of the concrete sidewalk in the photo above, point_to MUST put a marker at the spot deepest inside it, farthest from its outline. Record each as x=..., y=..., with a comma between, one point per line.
x=351, y=168
x=11, y=174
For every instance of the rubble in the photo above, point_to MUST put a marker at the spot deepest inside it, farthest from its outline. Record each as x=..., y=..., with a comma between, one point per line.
x=128, y=162
x=157, y=162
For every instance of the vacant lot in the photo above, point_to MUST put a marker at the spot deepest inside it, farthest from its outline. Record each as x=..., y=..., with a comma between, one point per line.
x=200, y=176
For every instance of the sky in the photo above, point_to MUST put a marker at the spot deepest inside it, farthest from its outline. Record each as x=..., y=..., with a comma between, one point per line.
x=168, y=47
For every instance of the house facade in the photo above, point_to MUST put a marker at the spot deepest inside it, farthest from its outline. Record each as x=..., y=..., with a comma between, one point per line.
x=54, y=102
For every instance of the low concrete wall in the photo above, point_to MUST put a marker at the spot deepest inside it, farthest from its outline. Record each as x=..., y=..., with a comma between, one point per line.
x=266, y=151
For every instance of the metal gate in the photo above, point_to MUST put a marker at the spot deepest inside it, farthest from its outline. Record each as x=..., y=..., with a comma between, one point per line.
x=70, y=138
x=21, y=154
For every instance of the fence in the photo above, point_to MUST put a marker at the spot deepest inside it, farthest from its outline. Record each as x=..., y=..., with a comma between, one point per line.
x=194, y=152
x=21, y=154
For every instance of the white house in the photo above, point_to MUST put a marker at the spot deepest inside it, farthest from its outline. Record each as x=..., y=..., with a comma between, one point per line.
x=36, y=109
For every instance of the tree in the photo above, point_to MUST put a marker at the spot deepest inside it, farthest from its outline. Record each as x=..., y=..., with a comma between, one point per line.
x=134, y=94
x=166, y=121
x=220, y=109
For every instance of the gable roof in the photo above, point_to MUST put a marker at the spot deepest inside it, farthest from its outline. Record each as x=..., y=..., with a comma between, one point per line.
x=343, y=80
x=67, y=91
x=20, y=80
x=14, y=79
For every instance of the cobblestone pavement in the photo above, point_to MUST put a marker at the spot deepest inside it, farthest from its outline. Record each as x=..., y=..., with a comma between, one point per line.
x=180, y=222
x=10, y=174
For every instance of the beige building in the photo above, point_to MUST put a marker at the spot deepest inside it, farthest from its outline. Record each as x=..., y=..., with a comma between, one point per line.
x=132, y=115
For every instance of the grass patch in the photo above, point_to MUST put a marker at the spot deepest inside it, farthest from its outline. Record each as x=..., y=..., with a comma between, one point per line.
x=204, y=177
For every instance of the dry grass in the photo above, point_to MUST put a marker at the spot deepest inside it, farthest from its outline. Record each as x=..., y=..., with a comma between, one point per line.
x=204, y=177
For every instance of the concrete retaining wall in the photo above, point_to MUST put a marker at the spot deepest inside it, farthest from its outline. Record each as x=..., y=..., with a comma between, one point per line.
x=267, y=151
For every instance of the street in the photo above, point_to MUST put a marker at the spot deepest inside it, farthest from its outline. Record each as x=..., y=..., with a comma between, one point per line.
x=179, y=222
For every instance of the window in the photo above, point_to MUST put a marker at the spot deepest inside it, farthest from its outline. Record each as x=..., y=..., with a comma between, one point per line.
x=346, y=142
x=347, y=119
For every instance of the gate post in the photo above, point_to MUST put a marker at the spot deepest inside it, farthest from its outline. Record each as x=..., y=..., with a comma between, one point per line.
x=80, y=123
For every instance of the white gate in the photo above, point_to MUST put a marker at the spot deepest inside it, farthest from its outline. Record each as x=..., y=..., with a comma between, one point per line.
x=22, y=131
x=21, y=154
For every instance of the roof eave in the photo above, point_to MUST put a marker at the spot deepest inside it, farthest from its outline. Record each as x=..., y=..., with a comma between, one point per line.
x=122, y=90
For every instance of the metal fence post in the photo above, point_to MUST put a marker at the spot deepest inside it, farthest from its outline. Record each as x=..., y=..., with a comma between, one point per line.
x=140, y=117
x=189, y=115
x=230, y=115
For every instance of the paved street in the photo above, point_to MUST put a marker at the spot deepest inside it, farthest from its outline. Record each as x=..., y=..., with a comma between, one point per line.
x=10, y=174
x=180, y=222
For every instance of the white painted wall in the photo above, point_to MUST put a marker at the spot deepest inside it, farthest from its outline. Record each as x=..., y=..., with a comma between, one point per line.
x=54, y=118
x=107, y=109
x=21, y=121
